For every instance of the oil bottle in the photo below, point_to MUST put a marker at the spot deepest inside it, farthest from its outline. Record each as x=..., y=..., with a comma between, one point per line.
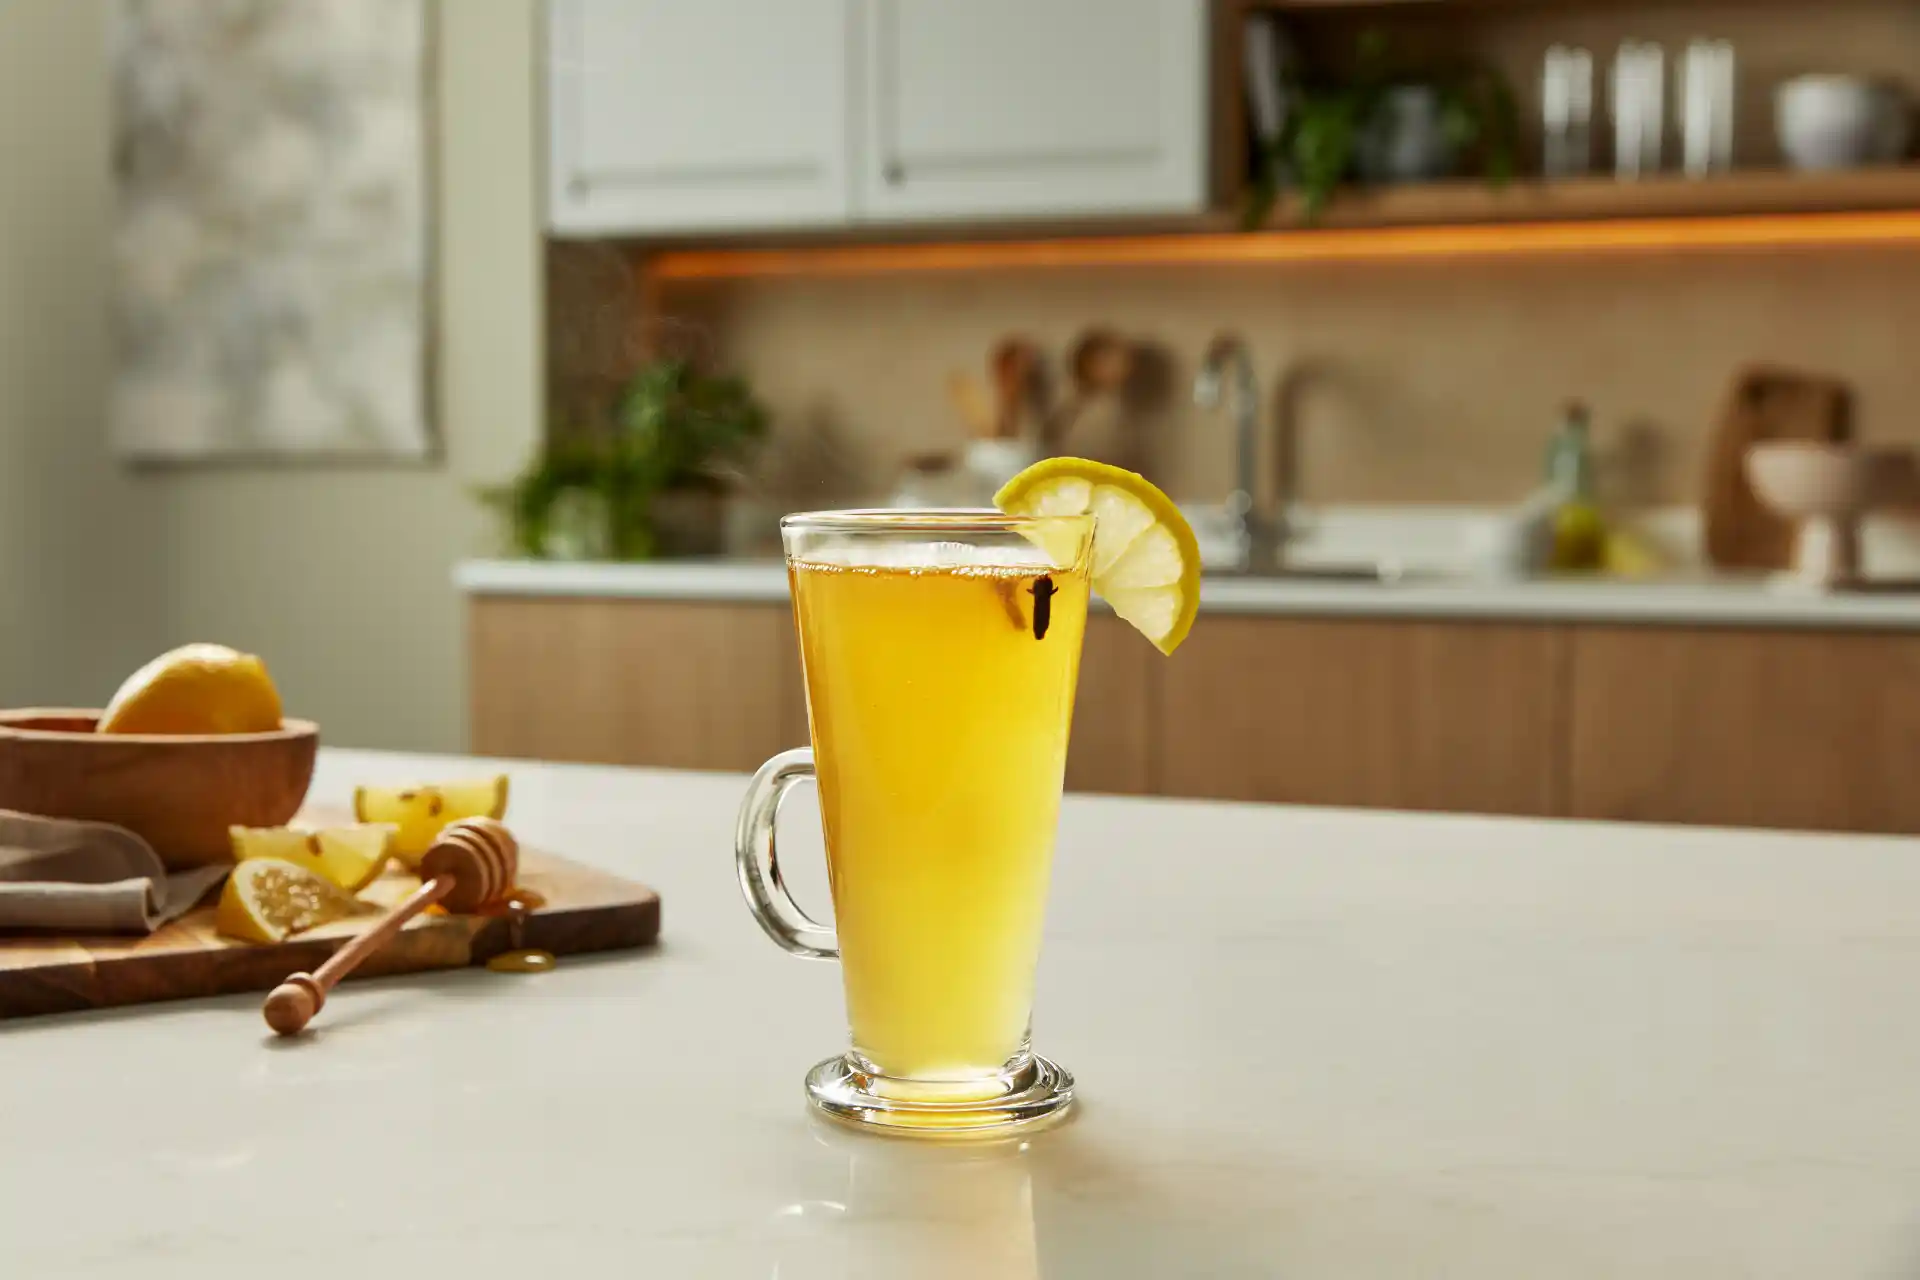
x=1579, y=529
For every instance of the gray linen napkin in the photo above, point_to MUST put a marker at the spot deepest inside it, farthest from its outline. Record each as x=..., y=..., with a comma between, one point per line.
x=68, y=876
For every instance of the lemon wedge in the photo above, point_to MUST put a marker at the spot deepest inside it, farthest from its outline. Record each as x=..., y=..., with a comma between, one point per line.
x=1146, y=563
x=268, y=900
x=420, y=812
x=197, y=688
x=350, y=857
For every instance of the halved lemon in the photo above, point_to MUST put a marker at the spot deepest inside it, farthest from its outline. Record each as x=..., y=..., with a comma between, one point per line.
x=197, y=688
x=350, y=857
x=268, y=900
x=1146, y=563
x=420, y=812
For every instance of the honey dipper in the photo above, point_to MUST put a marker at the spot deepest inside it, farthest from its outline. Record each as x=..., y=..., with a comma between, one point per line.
x=472, y=863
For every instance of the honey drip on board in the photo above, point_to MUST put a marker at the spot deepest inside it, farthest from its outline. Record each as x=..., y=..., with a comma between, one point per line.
x=516, y=907
x=523, y=962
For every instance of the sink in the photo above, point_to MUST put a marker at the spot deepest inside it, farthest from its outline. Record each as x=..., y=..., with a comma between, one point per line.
x=1308, y=573
x=1355, y=571
x=1225, y=552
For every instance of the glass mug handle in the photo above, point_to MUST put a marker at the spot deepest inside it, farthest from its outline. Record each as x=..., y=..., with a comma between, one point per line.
x=757, y=858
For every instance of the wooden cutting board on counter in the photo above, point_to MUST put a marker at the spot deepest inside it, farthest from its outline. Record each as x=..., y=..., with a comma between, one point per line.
x=585, y=910
x=1764, y=404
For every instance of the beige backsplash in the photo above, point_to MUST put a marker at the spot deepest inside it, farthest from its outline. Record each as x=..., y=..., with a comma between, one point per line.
x=1414, y=382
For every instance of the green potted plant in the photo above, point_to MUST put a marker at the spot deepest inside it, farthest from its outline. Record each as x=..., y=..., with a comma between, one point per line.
x=1383, y=122
x=653, y=484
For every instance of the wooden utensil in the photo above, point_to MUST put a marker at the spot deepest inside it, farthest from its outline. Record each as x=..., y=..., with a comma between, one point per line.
x=1099, y=364
x=179, y=792
x=472, y=864
x=1764, y=404
x=1015, y=365
x=971, y=401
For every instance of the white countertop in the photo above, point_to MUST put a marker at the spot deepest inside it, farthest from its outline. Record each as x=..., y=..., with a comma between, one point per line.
x=1695, y=600
x=1309, y=1043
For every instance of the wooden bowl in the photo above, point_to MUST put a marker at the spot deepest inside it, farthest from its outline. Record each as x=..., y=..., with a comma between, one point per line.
x=180, y=792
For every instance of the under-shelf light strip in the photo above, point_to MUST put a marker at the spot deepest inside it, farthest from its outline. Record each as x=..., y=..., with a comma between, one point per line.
x=1370, y=244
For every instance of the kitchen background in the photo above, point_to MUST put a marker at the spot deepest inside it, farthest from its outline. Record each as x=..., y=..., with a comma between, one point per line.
x=575, y=239
x=1413, y=382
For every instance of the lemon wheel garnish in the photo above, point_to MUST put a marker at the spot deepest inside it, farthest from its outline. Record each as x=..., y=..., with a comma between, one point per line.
x=1146, y=563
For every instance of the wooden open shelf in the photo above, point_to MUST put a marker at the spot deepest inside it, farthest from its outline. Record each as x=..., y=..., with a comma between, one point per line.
x=1549, y=6
x=1773, y=39
x=1759, y=191
x=1760, y=210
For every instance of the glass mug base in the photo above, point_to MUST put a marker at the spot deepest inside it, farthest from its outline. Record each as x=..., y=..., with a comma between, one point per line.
x=1030, y=1093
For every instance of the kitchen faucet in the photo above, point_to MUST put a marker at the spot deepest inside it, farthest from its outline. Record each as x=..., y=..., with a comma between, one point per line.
x=1227, y=358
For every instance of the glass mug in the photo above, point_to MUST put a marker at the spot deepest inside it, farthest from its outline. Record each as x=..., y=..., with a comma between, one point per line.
x=940, y=650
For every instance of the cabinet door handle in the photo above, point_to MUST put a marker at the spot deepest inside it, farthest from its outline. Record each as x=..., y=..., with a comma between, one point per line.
x=894, y=172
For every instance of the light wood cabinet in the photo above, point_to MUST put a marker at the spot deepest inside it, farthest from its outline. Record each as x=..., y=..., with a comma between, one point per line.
x=1385, y=714
x=685, y=685
x=1112, y=747
x=1012, y=108
x=1724, y=726
x=643, y=682
x=1807, y=729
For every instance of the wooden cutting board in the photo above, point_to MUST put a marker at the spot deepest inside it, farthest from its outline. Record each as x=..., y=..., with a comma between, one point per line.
x=586, y=910
x=1764, y=404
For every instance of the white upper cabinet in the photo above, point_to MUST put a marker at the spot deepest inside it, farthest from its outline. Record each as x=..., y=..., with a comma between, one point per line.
x=692, y=116
x=696, y=115
x=1033, y=108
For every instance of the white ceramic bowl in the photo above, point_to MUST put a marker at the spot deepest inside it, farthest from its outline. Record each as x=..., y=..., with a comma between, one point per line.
x=1828, y=122
x=1802, y=479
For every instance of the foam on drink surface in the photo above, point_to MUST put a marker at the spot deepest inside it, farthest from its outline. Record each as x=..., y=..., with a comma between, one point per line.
x=857, y=555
